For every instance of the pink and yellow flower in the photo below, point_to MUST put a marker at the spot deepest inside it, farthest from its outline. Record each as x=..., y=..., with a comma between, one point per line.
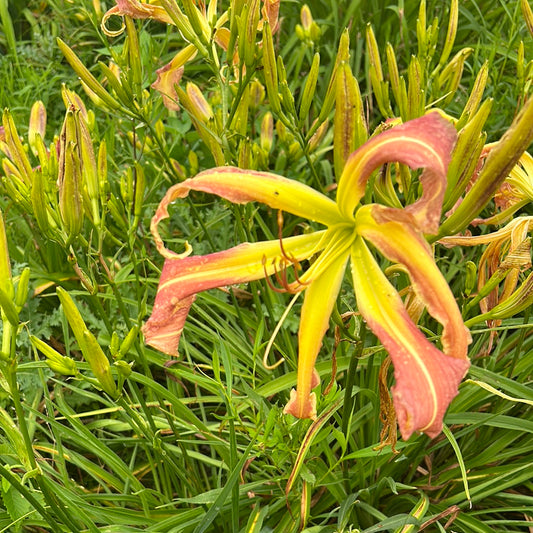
x=427, y=377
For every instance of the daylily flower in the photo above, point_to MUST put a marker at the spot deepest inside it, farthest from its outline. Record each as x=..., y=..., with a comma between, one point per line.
x=426, y=377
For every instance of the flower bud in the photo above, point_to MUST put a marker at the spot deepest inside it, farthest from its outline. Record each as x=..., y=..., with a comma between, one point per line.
x=270, y=70
x=91, y=350
x=37, y=124
x=309, y=89
x=60, y=364
x=86, y=77
x=267, y=131
x=6, y=282
x=200, y=107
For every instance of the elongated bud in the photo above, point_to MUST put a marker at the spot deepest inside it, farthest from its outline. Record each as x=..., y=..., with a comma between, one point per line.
x=69, y=183
x=58, y=363
x=421, y=31
x=380, y=87
x=415, y=93
x=309, y=29
x=476, y=94
x=9, y=310
x=287, y=97
x=92, y=83
x=498, y=165
x=134, y=57
x=452, y=73
x=270, y=69
x=267, y=131
x=16, y=151
x=394, y=77
x=22, y=288
x=309, y=88
x=16, y=439
x=521, y=299
x=317, y=137
x=450, y=33
x=6, y=282
x=197, y=21
x=470, y=277
x=349, y=127
x=248, y=39
x=91, y=350
x=140, y=184
x=528, y=15
x=128, y=341
x=200, y=107
x=465, y=156
x=37, y=124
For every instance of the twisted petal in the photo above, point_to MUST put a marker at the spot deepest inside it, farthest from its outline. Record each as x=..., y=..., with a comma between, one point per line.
x=426, y=378
x=425, y=142
x=134, y=9
x=320, y=297
x=169, y=75
x=182, y=279
x=242, y=186
x=389, y=230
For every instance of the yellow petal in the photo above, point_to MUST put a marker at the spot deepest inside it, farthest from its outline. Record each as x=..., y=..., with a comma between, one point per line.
x=320, y=297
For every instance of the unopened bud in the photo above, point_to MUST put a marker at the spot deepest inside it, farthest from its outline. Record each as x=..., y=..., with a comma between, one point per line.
x=200, y=107
x=270, y=70
x=58, y=363
x=91, y=350
x=309, y=89
x=267, y=131
x=37, y=125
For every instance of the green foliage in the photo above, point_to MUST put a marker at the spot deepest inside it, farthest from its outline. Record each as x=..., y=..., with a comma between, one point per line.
x=102, y=433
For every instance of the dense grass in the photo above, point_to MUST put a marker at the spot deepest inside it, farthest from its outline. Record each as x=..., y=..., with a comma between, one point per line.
x=200, y=443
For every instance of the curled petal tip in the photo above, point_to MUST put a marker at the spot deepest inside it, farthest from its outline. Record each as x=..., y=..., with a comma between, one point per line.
x=421, y=406
x=301, y=407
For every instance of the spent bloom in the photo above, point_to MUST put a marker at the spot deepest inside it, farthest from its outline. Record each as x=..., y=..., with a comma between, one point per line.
x=426, y=377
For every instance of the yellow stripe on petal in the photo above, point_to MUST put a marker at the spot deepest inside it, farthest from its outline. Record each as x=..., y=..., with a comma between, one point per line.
x=320, y=297
x=426, y=379
x=182, y=279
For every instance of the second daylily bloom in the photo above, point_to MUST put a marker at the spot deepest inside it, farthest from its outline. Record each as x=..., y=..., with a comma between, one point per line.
x=427, y=378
